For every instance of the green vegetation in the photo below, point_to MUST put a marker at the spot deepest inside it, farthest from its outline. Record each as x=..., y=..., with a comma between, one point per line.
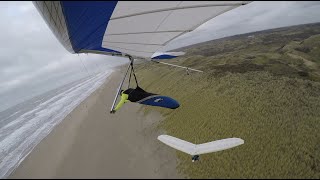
x=264, y=89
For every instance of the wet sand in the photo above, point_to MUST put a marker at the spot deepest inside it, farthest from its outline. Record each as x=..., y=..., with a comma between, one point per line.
x=92, y=143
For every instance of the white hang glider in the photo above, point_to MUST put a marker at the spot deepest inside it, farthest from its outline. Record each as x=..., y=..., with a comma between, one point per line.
x=133, y=29
x=197, y=149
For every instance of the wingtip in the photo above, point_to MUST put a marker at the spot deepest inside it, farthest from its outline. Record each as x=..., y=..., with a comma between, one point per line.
x=162, y=136
x=241, y=141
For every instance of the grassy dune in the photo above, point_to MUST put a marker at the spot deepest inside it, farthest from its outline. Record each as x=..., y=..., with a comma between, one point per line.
x=264, y=89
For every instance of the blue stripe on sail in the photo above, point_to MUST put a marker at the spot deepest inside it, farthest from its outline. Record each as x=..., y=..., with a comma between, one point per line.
x=106, y=49
x=87, y=22
x=164, y=56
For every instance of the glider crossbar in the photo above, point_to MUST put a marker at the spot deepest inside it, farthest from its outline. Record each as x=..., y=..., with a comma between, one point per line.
x=177, y=66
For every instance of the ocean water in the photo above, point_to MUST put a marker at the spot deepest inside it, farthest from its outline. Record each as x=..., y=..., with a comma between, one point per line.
x=24, y=125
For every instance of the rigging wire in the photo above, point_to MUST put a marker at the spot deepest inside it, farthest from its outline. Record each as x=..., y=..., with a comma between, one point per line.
x=89, y=75
x=129, y=79
x=134, y=74
x=84, y=65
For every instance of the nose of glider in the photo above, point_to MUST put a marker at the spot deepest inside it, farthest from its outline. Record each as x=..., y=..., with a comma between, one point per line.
x=176, y=105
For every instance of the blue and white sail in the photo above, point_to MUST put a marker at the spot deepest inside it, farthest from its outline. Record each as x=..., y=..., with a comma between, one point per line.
x=135, y=28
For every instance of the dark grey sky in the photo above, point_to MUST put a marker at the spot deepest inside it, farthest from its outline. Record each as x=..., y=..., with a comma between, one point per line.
x=29, y=52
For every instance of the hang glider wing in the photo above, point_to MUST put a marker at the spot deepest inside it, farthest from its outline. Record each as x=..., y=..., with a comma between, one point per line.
x=197, y=149
x=178, y=144
x=135, y=28
x=218, y=145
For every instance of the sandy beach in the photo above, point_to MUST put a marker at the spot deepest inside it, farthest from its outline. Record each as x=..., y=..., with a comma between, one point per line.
x=92, y=143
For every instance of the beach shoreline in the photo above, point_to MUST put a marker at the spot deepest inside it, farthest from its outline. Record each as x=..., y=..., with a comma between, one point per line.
x=92, y=143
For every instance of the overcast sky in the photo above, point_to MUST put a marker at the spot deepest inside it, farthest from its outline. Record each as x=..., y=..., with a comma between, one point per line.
x=256, y=16
x=29, y=52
